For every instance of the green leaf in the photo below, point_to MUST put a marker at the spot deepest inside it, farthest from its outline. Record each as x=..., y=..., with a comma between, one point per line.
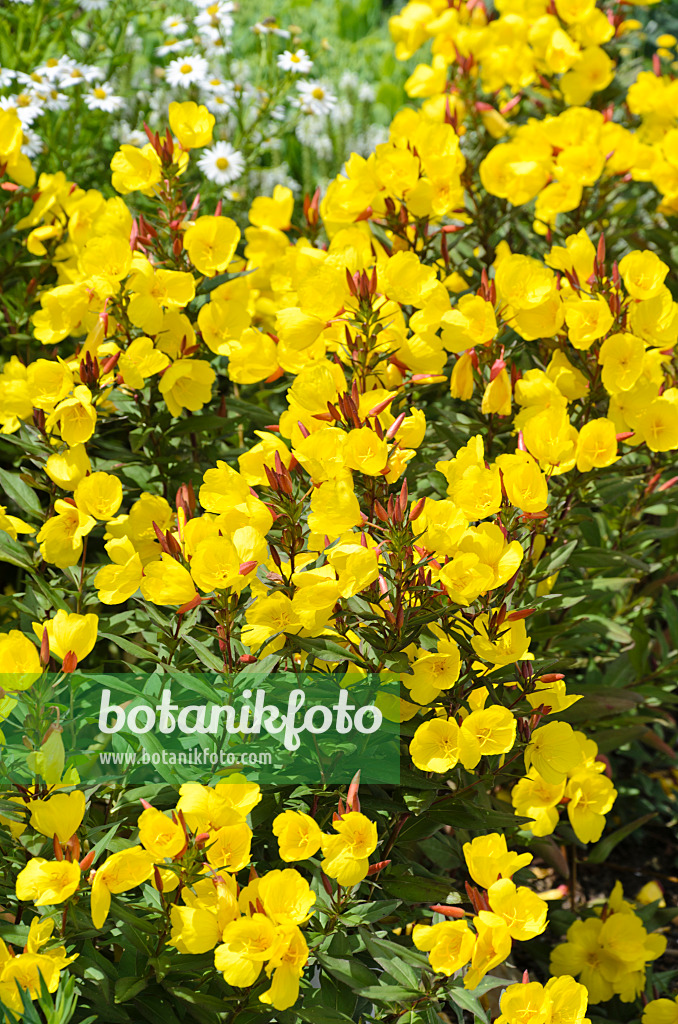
x=387, y=955
x=19, y=491
x=206, y=656
x=422, y=890
x=347, y=970
x=127, y=988
x=327, y=650
x=389, y=994
x=322, y=1015
x=14, y=552
x=599, y=853
x=129, y=646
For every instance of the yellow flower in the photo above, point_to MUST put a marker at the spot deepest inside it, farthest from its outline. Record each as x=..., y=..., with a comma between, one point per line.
x=346, y=854
x=247, y=943
x=449, y=944
x=210, y=243
x=19, y=661
x=136, y=170
x=643, y=274
x=47, y=882
x=99, y=495
x=534, y=798
x=66, y=469
x=488, y=859
x=286, y=896
x=229, y=847
x=286, y=967
x=61, y=815
x=160, y=835
x=365, y=452
x=192, y=124
x=61, y=538
x=119, y=872
x=75, y=417
x=187, y=384
x=71, y=636
x=435, y=745
x=298, y=835
x=523, y=911
x=554, y=751
x=493, y=729
x=334, y=508
x=661, y=1011
x=167, y=582
x=493, y=945
x=591, y=795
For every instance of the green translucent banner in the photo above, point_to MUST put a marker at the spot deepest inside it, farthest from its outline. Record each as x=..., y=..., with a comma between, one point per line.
x=174, y=726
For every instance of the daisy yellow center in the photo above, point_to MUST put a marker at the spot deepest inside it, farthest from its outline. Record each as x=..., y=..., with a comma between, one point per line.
x=186, y=68
x=295, y=59
x=100, y=93
x=318, y=93
x=222, y=163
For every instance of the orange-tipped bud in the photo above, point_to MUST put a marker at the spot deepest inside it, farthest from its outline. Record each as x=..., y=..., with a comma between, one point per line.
x=70, y=662
x=87, y=861
x=374, y=869
x=440, y=908
x=352, y=799
x=44, y=648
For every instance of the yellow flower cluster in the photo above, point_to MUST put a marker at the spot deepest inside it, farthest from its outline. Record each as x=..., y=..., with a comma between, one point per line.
x=525, y=44
x=563, y=768
x=609, y=953
x=504, y=912
x=196, y=852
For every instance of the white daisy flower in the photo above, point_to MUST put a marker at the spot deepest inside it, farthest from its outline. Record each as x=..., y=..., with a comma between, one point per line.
x=366, y=93
x=31, y=79
x=216, y=16
x=128, y=136
x=270, y=27
x=216, y=85
x=102, y=97
x=315, y=98
x=172, y=45
x=219, y=103
x=53, y=69
x=174, y=25
x=225, y=6
x=77, y=74
x=215, y=46
x=299, y=62
x=7, y=75
x=32, y=144
x=186, y=70
x=221, y=163
x=52, y=99
x=25, y=106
